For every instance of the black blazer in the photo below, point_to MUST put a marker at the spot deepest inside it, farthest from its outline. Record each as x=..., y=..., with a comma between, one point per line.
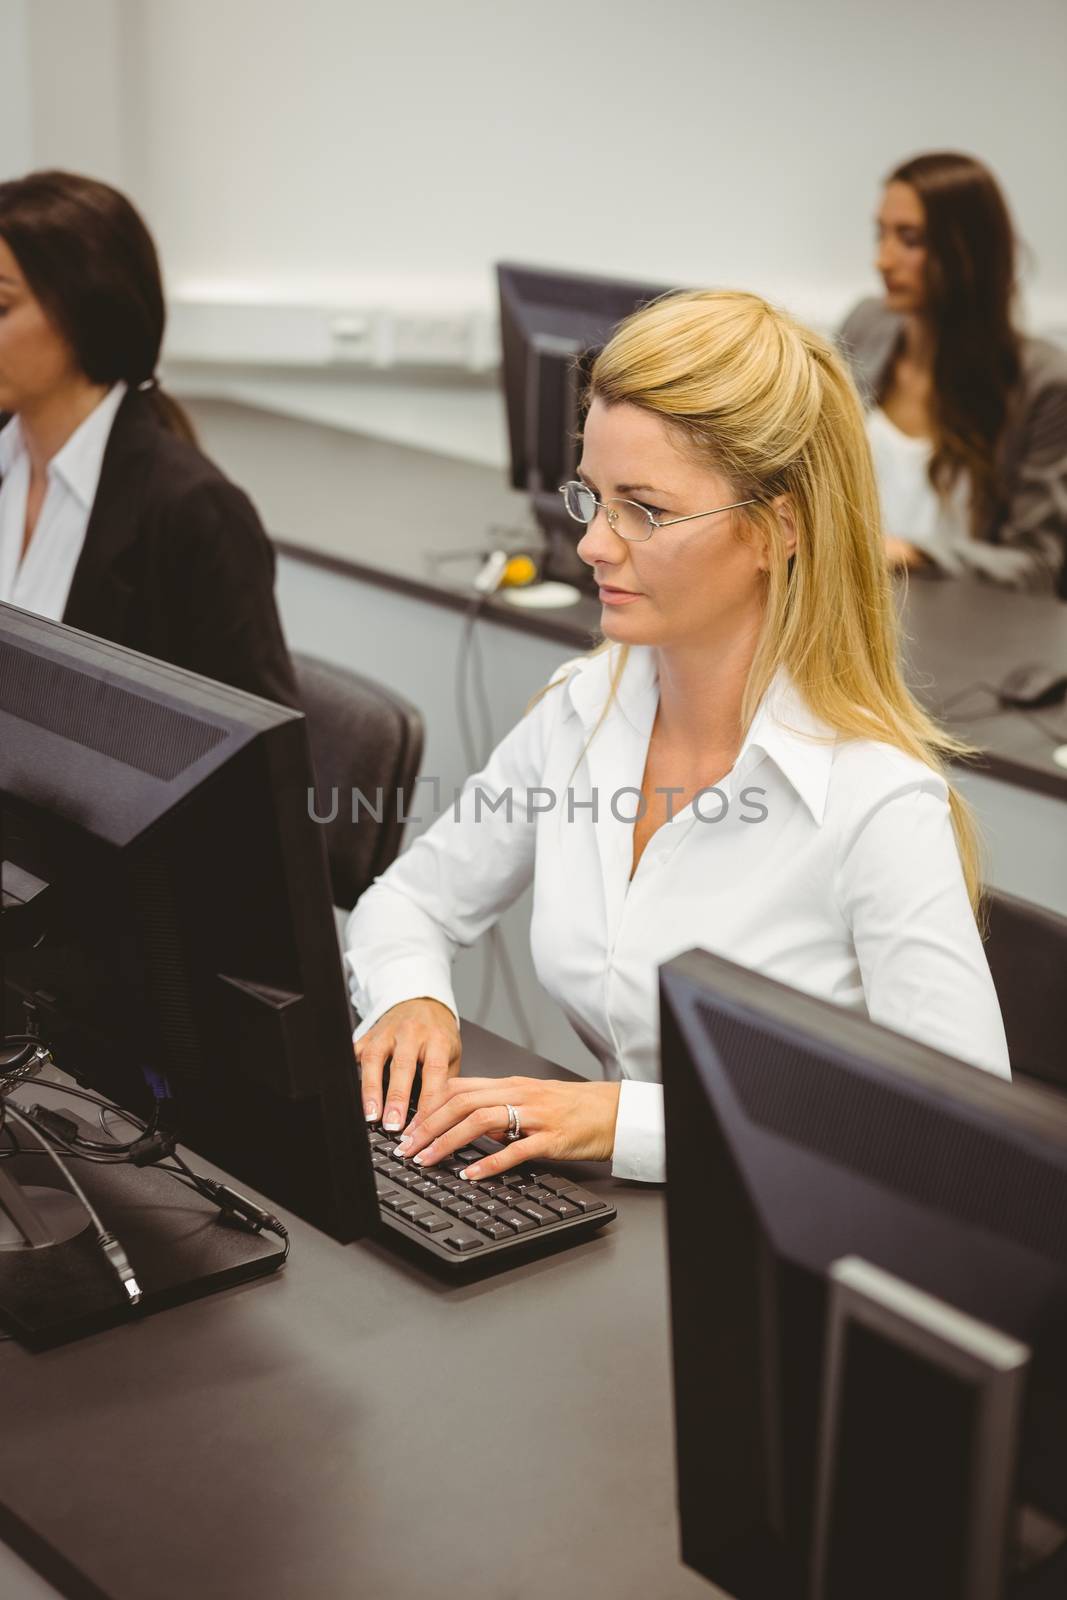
x=176, y=562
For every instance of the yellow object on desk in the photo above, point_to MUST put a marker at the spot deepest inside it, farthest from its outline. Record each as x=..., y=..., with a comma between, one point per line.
x=519, y=571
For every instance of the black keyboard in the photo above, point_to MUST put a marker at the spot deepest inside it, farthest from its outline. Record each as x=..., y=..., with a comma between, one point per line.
x=459, y=1221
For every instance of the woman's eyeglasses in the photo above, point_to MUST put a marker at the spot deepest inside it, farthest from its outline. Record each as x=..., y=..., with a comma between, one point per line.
x=627, y=518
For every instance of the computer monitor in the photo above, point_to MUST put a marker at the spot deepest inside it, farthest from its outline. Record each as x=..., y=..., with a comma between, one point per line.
x=168, y=927
x=868, y=1268
x=551, y=325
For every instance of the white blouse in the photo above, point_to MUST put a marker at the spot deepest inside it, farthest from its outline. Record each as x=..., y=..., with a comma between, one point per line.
x=912, y=509
x=40, y=581
x=828, y=864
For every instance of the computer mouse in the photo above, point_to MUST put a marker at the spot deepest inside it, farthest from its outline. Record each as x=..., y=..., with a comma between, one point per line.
x=1034, y=685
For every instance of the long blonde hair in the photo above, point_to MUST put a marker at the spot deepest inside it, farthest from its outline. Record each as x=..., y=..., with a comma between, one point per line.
x=769, y=405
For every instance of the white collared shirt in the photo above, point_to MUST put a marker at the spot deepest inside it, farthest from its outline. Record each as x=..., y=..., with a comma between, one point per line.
x=912, y=509
x=834, y=869
x=41, y=581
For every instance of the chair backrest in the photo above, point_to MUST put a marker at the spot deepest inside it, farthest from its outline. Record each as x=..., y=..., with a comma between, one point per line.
x=363, y=737
x=1027, y=954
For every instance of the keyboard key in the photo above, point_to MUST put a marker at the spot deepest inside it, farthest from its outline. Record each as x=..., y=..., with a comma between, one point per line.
x=468, y=1192
x=407, y=1176
x=537, y=1194
x=476, y=1219
x=492, y=1207
x=495, y=1230
x=469, y=1154
x=519, y=1180
x=583, y=1200
x=434, y=1223
x=556, y=1185
x=458, y=1208
x=517, y=1221
x=447, y=1180
x=397, y=1201
x=423, y=1186
x=536, y=1213
x=462, y=1242
x=561, y=1207
x=416, y=1212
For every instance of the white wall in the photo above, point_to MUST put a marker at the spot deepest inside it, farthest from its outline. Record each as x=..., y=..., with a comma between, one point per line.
x=79, y=81
x=309, y=169
x=293, y=150
x=16, y=143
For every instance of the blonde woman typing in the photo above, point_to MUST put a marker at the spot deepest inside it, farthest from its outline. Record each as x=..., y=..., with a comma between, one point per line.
x=739, y=767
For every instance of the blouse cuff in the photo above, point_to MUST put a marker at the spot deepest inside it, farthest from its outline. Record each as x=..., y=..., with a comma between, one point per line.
x=640, y=1152
x=405, y=981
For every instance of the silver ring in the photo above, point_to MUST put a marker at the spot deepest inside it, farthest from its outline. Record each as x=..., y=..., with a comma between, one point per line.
x=514, y=1130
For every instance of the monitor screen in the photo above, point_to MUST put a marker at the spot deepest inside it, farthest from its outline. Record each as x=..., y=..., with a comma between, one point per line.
x=800, y=1135
x=168, y=927
x=552, y=324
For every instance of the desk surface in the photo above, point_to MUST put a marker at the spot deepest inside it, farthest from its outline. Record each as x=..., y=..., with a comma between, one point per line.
x=356, y=1426
x=395, y=516
x=961, y=638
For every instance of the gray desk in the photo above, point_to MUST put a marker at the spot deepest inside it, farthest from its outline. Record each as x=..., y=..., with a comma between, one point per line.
x=391, y=516
x=963, y=635
x=354, y=1426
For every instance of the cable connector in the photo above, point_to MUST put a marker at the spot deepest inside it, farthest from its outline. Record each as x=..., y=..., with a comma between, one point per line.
x=55, y=1123
x=120, y=1265
x=152, y=1148
x=243, y=1210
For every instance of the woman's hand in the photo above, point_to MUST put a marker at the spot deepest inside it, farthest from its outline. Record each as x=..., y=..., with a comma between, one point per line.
x=412, y=1032
x=559, y=1122
x=902, y=554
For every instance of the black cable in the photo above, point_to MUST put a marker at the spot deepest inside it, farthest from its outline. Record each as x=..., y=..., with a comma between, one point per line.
x=110, y=1247
x=470, y=654
x=481, y=692
x=466, y=732
x=235, y=1205
x=473, y=763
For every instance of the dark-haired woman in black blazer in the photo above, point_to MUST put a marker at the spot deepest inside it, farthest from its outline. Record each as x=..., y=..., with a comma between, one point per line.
x=111, y=519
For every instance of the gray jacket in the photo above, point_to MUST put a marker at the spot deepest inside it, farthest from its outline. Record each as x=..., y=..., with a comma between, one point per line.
x=1023, y=545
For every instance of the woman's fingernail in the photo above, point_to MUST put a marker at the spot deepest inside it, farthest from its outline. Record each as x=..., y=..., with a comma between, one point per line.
x=370, y=1111
x=469, y=1172
x=393, y=1119
x=402, y=1145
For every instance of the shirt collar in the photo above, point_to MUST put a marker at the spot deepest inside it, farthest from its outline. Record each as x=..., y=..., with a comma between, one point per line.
x=784, y=727
x=801, y=746
x=80, y=460
x=10, y=445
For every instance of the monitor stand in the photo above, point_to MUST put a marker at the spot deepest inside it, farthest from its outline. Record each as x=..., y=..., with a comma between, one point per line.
x=561, y=562
x=920, y=1421
x=54, y=1282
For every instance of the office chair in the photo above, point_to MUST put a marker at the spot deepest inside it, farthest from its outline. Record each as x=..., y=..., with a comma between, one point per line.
x=364, y=737
x=1027, y=952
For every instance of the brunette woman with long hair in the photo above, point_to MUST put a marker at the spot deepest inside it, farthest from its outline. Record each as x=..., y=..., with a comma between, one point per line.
x=111, y=519
x=967, y=418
